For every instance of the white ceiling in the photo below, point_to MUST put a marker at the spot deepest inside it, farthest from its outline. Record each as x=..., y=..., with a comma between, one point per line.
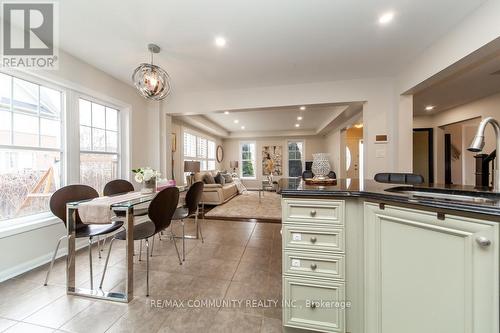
x=480, y=79
x=268, y=42
x=316, y=119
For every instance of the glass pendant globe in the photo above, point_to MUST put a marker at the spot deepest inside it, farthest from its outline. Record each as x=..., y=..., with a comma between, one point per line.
x=151, y=81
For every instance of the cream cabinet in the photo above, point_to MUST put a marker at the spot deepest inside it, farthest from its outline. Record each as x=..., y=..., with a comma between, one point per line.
x=429, y=274
x=314, y=264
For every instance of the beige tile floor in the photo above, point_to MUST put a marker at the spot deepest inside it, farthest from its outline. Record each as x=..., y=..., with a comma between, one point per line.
x=237, y=261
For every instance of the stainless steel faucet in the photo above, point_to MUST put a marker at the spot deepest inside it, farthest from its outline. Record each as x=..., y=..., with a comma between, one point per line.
x=477, y=145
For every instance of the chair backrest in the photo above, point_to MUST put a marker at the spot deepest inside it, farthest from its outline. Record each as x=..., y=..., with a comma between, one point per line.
x=162, y=208
x=118, y=186
x=399, y=178
x=67, y=194
x=193, y=197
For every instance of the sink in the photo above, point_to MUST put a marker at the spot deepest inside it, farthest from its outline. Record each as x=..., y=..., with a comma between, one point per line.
x=447, y=195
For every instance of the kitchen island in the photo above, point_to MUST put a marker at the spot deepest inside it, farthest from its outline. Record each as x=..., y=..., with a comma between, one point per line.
x=386, y=258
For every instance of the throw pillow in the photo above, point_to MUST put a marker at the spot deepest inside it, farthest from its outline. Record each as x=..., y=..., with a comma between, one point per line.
x=219, y=179
x=227, y=178
x=208, y=178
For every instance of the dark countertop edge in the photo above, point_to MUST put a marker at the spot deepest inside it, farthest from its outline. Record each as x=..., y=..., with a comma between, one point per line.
x=432, y=205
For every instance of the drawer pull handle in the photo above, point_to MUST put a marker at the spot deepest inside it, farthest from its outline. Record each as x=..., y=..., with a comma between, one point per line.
x=313, y=213
x=313, y=239
x=483, y=241
x=314, y=266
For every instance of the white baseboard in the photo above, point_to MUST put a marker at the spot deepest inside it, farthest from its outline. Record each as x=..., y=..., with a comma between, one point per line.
x=37, y=262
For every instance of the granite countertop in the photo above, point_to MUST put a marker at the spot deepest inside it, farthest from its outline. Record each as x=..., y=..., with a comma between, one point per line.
x=488, y=202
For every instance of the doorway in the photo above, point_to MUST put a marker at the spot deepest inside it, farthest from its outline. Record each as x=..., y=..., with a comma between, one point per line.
x=423, y=153
x=352, y=159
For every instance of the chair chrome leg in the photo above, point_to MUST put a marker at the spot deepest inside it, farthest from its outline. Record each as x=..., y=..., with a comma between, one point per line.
x=99, y=246
x=183, y=242
x=90, y=261
x=140, y=250
x=152, y=245
x=106, y=263
x=53, y=259
x=175, y=245
x=103, y=244
x=198, y=225
x=147, y=267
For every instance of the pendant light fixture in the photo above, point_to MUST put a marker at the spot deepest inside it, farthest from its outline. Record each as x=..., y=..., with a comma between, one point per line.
x=152, y=81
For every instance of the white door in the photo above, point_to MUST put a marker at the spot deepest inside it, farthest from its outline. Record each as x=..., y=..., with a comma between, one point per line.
x=429, y=275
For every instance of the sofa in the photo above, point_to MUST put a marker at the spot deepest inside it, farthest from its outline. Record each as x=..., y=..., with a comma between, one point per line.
x=216, y=194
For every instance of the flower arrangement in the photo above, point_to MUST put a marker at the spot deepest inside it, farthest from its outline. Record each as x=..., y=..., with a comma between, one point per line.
x=145, y=174
x=148, y=177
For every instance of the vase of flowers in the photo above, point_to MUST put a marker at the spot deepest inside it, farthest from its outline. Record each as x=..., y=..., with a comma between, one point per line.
x=147, y=177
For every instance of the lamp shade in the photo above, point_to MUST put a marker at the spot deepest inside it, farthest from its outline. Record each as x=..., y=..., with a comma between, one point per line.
x=192, y=166
x=233, y=164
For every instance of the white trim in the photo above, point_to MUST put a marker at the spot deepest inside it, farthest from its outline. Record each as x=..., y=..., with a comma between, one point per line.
x=39, y=261
x=28, y=223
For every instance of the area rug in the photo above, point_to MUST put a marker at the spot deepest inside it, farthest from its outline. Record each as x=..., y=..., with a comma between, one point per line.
x=247, y=206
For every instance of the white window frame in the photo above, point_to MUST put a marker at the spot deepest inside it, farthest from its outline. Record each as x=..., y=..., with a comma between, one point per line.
x=198, y=157
x=118, y=152
x=70, y=143
x=254, y=159
x=303, y=141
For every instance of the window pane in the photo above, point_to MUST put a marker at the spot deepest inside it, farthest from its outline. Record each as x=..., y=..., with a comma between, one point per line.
x=203, y=165
x=50, y=102
x=111, y=141
x=247, y=169
x=50, y=133
x=111, y=119
x=98, y=140
x=85, y=113
x=25, y=130
x=5, y=91
x=85, y=138
x=211, y=165
x=202, y=147
x=189, y=145
x=98, y=169
x=27, y=179
x=25, y=96
x=98, y=116
x=5, y=128
x=211, y=150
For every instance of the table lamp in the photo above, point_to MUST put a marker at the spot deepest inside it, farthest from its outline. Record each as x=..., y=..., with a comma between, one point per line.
x=192, y=167
x=233, y=165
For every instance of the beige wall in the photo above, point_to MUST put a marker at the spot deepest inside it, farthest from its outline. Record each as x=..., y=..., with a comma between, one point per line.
x=313, y=144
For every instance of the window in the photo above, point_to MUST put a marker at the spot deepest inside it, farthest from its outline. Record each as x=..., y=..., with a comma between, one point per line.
x=295, y=158
x=30, y=146
x=99, y=141
x=247, y=154
x=198, y=148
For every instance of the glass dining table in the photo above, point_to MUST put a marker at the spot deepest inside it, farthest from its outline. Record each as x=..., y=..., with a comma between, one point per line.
x=124, y=211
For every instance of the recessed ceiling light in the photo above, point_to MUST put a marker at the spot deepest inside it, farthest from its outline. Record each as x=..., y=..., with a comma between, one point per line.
x=359, y=125
x=220, y=41
x=299, y=118
x=386, y=18
x=242, y=127
x=429, y=107
x=297, y=125
x=302, y=108
x=236, y=121
x=226, y=112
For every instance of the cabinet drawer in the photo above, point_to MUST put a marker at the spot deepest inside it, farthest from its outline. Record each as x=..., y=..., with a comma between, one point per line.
x=310, y=238
x=314, y=211
x=314, y=264
x=313, y=305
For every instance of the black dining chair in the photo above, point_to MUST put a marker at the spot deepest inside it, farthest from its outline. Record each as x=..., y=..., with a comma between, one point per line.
x=190, y=209
x=57, y=204
x=122, y=186
x=160, y=212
